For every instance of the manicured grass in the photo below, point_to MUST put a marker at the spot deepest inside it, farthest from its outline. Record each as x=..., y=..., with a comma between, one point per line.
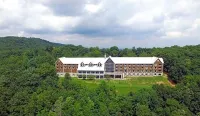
x=125, y=86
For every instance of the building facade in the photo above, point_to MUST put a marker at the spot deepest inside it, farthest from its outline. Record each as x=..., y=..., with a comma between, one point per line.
x=115, y=67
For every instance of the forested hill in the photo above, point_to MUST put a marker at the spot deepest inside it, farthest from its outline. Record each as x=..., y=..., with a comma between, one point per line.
x=11, y=42
x=29, y=85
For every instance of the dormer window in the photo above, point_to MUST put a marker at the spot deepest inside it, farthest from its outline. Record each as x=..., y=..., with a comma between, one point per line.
x=90, y=64
x=82, y=64
x=99, y=64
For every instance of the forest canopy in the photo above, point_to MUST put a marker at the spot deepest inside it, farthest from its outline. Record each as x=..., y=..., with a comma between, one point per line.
x=29, y=84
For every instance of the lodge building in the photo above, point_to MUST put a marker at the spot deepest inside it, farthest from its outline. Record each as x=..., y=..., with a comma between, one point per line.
x=115, y=67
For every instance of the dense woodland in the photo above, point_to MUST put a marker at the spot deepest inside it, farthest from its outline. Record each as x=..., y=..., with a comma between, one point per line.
x=29, y=84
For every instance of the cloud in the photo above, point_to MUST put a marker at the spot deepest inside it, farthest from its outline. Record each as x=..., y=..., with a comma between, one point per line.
x=104, y=23
x=92, y=8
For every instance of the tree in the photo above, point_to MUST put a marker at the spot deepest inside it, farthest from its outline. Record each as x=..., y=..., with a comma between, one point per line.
x=126, y=53
x=114, y=51
x=57, y=107
x=67, y=76
x=143, y=110
x=68, y=108
x=95, y=52
x=66, y=81
x=174, y=108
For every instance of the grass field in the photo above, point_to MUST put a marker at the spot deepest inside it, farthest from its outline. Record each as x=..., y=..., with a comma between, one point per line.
x=125, y=86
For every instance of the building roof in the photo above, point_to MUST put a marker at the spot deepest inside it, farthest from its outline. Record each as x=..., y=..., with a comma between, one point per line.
x=86, y=61
x=93, y=60
x=135, y=60
x=161, y=59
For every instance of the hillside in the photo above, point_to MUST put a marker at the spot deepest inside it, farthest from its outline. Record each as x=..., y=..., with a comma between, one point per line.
x=29, y=84
x=11, y=42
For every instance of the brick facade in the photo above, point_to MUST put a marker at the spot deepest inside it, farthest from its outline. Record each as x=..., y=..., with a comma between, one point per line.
x=140, y=69
x=70, y=68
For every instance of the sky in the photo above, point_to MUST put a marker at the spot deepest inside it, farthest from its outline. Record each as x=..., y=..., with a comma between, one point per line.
x=104, y=23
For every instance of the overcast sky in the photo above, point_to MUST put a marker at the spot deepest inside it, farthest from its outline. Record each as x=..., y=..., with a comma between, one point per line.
x=104, y=23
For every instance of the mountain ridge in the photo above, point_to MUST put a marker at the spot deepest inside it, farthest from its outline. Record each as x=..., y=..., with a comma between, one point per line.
x=13, y=42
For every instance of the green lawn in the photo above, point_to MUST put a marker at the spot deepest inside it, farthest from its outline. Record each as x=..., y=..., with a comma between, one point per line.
x=125, y=86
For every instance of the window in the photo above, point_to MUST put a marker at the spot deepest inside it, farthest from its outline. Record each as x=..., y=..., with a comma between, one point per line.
x=82, y=64
x=90, y=64
x=99, y=64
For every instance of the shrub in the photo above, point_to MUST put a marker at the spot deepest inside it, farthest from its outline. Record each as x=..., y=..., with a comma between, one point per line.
x=91, y=77
x=107, y=77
